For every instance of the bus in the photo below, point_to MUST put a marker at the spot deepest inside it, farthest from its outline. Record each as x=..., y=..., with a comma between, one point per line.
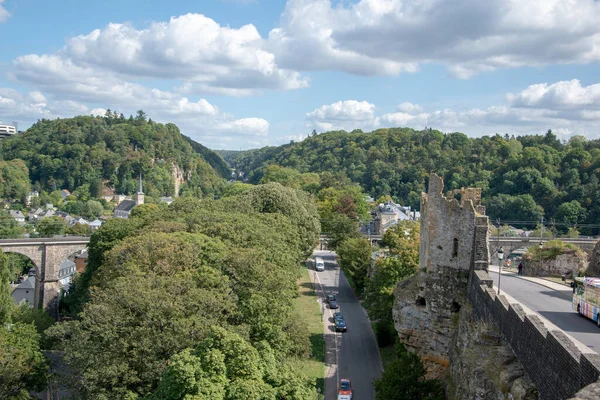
x=586, y=298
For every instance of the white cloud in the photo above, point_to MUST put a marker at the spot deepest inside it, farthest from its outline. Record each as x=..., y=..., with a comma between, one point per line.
x=28, y=107
x=559, y=95
x=4, y=14
x=60, y=78
x=191, y=48
x=566, y=107
x=342, y=115
x=374, y=37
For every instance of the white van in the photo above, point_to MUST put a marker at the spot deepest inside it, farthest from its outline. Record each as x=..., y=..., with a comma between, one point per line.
x=319, y=264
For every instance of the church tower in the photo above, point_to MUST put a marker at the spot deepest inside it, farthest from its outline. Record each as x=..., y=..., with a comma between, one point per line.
x=139, y=197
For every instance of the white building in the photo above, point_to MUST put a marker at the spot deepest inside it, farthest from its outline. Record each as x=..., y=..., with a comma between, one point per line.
x=7, y=130
x=95, y=224
x=18, y=216
x=65, y=272
x=25, y=292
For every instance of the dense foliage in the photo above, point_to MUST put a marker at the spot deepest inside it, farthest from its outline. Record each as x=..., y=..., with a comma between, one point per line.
x=340, y=203
x=522, y=178
x=194, y=300
x=401, y=260
x=106, y=151
x=22, y=365
x=404, y=379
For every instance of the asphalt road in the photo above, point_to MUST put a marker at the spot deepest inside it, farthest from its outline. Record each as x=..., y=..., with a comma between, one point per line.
x=356, y=356
x=553, y=305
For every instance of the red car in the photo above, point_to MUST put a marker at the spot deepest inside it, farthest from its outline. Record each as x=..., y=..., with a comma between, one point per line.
x=345, y=391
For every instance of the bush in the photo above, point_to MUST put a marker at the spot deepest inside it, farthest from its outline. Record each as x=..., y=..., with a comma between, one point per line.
x=404, y=379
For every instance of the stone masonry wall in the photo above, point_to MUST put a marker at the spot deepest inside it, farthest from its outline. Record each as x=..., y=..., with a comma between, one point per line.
x=558, y=365
x=453, y=237
x=568, y=263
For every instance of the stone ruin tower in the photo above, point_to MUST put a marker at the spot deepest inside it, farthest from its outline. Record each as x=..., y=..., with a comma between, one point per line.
x=453, y=243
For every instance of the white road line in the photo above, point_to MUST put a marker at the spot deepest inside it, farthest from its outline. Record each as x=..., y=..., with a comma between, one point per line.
x=337, y=368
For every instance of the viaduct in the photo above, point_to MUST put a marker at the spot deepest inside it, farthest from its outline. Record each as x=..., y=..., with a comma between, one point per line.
x=47, y=254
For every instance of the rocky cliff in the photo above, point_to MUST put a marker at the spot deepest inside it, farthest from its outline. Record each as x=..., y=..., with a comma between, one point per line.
x=432, y=313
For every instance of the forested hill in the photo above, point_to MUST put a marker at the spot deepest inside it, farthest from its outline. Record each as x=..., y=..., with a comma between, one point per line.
x=111, y=151
x=523, y=178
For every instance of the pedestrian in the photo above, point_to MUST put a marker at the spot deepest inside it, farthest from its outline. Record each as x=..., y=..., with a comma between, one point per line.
x=520, y=268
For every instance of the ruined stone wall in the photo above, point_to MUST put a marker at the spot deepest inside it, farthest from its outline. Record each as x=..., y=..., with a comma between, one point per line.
x=483, y=365
x=453, y=241
x=447, y=229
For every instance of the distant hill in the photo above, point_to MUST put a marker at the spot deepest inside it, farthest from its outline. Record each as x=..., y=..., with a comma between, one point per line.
x=523, y=178
x=212, y=157
x=110, y=152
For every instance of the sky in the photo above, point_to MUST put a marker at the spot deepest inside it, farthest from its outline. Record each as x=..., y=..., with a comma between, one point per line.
x=240, y=74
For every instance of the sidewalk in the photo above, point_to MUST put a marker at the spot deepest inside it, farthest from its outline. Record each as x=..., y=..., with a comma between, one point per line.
x=540, y=281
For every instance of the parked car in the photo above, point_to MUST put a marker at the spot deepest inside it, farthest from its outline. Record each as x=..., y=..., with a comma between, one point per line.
x=340, y=325
x=330, y=298
x=345, y=390
x=333, y=305
x=337, y=314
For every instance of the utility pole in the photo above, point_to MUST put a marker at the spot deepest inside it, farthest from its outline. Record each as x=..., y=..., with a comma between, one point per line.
x=542, y=229
x=500, y=253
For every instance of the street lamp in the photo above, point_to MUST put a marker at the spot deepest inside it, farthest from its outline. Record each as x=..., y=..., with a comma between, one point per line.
x=541, y=246
x=500, y=258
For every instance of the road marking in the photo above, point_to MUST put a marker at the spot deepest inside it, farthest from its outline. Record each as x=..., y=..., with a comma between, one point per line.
x=337, y=367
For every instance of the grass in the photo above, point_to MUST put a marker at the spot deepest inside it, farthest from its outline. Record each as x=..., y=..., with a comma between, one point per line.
x=309, y=312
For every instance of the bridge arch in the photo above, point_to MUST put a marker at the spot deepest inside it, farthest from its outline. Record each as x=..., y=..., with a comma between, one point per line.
x=47, y=255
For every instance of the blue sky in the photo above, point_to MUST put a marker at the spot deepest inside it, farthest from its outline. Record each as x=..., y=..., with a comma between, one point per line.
x=241, y=74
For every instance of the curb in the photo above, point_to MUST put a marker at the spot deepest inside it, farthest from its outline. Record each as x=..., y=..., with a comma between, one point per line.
x=512, y=274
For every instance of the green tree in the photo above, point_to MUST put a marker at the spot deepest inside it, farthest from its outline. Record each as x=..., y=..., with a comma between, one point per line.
x=50, y=226
x=9, y=228
x=401, y=262
x=22, y=363
x=355, y=260
x=404, y=379
x=93, y=209
x=5, y=300
x=570, y=213
x=79, y=230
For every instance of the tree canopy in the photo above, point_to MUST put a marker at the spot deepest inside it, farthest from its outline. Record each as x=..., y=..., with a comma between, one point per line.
x=92, y=153
x=523, y=178
x=194, y=299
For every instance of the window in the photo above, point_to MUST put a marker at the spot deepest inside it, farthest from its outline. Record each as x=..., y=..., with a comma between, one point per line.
x=455, y=248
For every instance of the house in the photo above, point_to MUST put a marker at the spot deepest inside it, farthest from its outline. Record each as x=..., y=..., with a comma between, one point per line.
x=70, y=221
x=167, y=200
x=81, y=262
x=81, y=221
x=126, y=206
x=389, y=214
x=47, y=213
x=18, y=216
x=30, y=197
x=65, y=272
x=25, y=292
x=95, y=224
x=118, y=198
x=64, y=193
x=36, y=214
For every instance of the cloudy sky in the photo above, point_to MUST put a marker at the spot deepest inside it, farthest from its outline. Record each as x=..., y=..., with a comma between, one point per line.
x=238, y=74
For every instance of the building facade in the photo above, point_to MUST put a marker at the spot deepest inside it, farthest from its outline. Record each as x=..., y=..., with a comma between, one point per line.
x=7, y=130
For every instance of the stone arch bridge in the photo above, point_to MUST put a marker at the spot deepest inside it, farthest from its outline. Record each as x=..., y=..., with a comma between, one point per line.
x=47, y=254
